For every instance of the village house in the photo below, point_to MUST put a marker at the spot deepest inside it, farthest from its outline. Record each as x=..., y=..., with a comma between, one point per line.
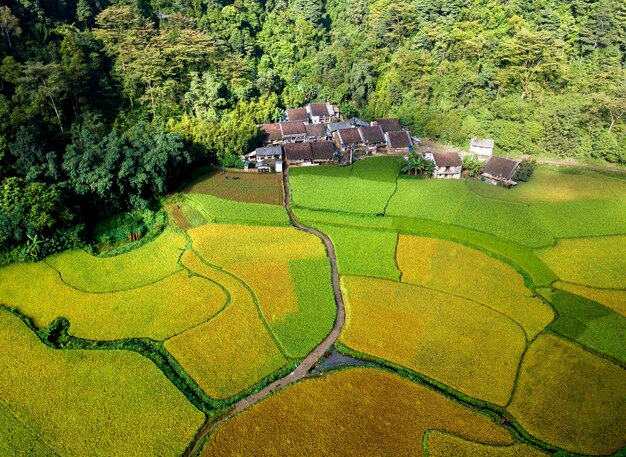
x=293, y=131
x=265, y=153
x=388, y=125
x=499, y=170
x=347, y=138
x=271, y=134
x=373, y=137
x=483, y=149
x=448, y=165
x=323, y=152
x=298, y=154
x=297, y=115
x=399, y=142
x=315, y=132
x=322, y=113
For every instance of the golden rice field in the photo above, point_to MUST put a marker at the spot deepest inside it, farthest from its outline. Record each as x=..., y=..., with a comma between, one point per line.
x=595, y=262
x=352, y=412
x=268, y=260
x=553, y=186
x=571, y=398
x=239, y=186
x=231, y=352
x=147, y=264
x=456, y=269
x=459, y=343
x=78, y=403
x=443, y=444
x=157, y=311
x=611, y=298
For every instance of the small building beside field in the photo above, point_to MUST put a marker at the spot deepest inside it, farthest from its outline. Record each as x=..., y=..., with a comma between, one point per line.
x=373, y=137
x=399, y=142
x=482, y=148
x=323, y=152
x=448, y=165
x=499, y=170
x=297, y=154
x=348, y=138
x=265, y=153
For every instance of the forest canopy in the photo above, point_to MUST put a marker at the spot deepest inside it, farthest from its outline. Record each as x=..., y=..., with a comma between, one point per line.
x=105, y=105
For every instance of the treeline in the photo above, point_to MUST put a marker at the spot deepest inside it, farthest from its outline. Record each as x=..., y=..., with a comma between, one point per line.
x=105, y=105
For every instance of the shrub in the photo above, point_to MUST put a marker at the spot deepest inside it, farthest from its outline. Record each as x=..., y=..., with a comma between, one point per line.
x=525, y=170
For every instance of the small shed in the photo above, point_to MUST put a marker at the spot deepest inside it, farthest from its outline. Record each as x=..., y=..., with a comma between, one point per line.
x=448, y=165
x=499, y=170
x=482, y=148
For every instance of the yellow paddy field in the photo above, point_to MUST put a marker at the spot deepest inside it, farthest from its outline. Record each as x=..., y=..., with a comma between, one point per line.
x=353, y=412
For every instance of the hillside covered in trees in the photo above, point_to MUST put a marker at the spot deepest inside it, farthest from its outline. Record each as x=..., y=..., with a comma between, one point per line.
x=107, y=105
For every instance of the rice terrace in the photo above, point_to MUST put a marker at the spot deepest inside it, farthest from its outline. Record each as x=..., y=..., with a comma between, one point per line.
x=368, y=315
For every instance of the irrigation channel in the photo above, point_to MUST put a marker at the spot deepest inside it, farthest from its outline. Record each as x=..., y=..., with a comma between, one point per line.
x=309, y=362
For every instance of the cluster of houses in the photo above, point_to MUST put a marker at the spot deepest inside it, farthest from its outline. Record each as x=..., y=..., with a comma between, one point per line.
x=316, y=135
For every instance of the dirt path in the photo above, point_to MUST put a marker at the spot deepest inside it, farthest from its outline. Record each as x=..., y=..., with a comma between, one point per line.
x=309, y=362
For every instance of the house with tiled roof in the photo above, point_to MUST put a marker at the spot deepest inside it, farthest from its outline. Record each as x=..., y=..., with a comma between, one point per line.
x=499, y=170
x=298, y=154
x=399, y=142
x=388, y=125
x=448, y=165
x=322, y=113
x=323, y=152
x=315, y=132
x=293, y=131
x=271, y=134
x=297, y=114
x=348, y=138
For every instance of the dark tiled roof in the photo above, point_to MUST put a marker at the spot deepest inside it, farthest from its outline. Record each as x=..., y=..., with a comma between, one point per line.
x=372, y=135
x=319, y=109
x=269, y=151
x=334, y=126
x=270, y=132
x=349, y=136
x=297, y=114
x=447, y=159
x=400, y=139
x=388, y=125
x=323, y=150
x=501, y=167
x=298, y=151
x=316, y=130
x=293, y=128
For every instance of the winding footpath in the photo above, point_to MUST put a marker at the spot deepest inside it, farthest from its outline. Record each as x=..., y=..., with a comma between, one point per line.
x=309, y=362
